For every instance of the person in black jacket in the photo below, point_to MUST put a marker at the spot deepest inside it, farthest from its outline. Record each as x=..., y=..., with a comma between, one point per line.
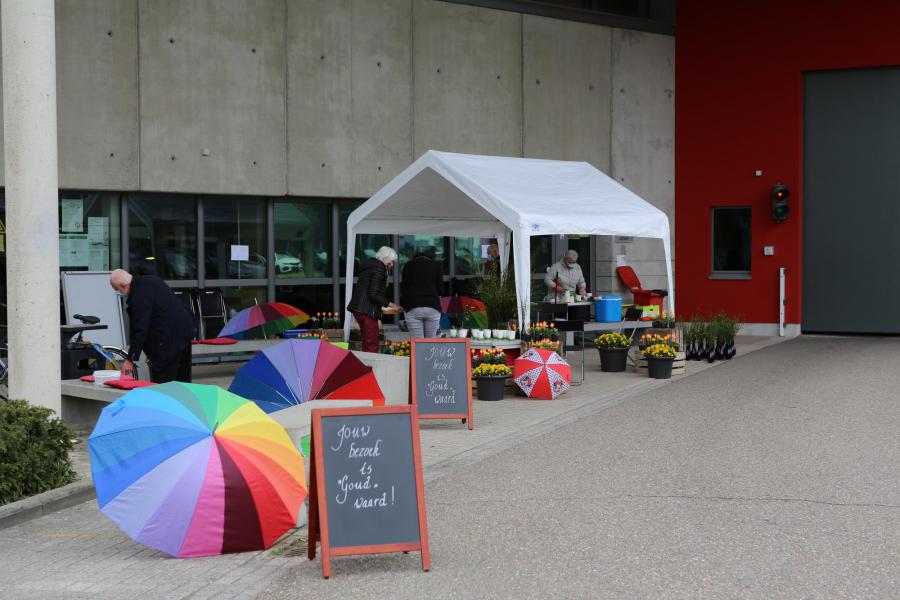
x=370, y=295
x=420, y=295
x=160, y=326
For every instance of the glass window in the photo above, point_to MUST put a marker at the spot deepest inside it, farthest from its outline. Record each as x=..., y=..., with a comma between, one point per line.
x=308, y=298
x=470, y=254
x=731, y=240
x=367, y=244
x=302, y=240
x=89, y=232
x=230, y=222
x=410, y=245
x=239, y=298
x=162, y=236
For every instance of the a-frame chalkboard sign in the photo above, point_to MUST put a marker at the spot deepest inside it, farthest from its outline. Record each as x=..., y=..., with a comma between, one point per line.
x=366, y=494
x=440, y=378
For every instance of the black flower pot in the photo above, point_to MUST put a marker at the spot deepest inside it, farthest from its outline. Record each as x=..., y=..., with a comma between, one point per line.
x=660, y=368
x=613, y=360
x=490, y=388
x=711, y=353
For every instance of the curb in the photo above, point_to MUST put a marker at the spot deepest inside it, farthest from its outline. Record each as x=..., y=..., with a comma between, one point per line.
x=45, y=503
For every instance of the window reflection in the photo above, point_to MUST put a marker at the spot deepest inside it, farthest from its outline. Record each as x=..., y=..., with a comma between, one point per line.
x=162, y=236
x=436, y=246
x=89, y=231
x=302, y=239
x=367, y=244
x=308, y=298
x=229, y=225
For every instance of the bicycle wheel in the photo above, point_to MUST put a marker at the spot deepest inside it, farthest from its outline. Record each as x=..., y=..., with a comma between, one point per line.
x=119, y=357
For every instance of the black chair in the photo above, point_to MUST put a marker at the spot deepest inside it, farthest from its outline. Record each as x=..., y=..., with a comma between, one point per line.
x=189, y=301
x=213, y=316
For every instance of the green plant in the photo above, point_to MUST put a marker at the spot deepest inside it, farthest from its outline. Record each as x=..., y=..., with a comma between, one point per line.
x=659, y=351
x=34, y=451
x=499, y=297
x=488, y=370
x=612, y=340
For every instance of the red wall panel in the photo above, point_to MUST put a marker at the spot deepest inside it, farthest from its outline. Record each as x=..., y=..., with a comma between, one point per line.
x=739, y=107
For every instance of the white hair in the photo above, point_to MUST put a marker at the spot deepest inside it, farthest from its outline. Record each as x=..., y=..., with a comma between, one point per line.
x=386, y=254
x=572, y=255
x=119, y=277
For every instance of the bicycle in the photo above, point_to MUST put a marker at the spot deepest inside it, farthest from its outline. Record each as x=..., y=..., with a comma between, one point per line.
x=106, y=358
x=100, y=358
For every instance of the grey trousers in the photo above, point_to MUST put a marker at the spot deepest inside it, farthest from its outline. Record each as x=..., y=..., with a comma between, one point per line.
x=423, y=322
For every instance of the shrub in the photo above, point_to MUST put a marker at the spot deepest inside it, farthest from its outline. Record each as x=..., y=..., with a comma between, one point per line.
x=34, y=451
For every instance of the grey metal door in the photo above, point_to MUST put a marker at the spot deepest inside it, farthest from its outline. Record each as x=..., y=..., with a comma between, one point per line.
x=851, y=201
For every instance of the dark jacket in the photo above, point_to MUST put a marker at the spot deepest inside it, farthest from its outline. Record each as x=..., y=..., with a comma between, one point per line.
x=421, y=284
x=160, y=325
x=370, y=291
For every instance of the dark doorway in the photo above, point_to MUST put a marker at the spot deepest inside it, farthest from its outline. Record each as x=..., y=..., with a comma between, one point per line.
x=851, y=201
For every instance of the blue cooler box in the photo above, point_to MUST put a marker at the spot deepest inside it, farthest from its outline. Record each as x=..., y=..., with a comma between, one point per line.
x=608, y=309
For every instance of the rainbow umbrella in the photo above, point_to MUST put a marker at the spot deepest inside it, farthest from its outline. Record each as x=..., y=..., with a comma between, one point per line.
x=476, y=310
x=270, y=318
x=295, y=371
x=542, y=374
x=193, y=470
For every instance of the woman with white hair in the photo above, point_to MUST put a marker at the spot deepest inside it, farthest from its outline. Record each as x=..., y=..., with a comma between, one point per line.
x=370, y=295
x=565, y=276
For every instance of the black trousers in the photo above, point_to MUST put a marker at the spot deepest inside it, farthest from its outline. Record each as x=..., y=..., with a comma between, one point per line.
x=177, y=370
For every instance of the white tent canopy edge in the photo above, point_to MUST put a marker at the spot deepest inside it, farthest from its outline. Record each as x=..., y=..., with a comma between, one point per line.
x=465, y=195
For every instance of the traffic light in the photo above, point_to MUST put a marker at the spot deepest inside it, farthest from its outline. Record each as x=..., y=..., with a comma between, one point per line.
x=780, y=195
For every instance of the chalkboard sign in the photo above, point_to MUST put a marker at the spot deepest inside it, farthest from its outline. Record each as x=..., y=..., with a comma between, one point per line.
x=441, y=378
x=366, y=494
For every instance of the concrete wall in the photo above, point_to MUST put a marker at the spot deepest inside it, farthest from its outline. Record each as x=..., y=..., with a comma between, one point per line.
x=467, y=79
x=315, y=98
x=349, y=95
x=97, y=87
x=566, y=86
x=213, y=78
x=643, y=142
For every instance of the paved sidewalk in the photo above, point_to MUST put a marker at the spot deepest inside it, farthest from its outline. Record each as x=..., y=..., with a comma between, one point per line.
x=79, y=553
x=772, y=476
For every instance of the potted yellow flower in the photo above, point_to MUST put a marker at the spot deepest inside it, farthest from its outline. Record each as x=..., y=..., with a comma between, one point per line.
x=659, y=360
x=491, y=378
x=613, y=349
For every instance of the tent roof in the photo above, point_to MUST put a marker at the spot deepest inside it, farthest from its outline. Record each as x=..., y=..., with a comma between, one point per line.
x=465, y=194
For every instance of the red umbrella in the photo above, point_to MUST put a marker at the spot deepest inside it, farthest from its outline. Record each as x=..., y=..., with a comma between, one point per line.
x=542, y=374
x=458, y=304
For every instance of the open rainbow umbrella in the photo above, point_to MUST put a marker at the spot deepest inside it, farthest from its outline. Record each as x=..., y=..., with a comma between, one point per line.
x=542, y=374
x=269, y=318
x=295, y=371
x=193, y=470
x=476, y=310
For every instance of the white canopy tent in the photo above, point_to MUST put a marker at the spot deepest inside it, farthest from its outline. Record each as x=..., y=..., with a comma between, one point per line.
x=467, y=195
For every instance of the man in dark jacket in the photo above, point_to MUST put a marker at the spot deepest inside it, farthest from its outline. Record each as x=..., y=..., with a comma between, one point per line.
x=420, y=295
x=160, y=326
x=370, y=295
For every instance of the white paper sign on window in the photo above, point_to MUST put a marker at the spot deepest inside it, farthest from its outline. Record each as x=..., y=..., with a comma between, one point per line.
x=72, y=215
x=240, y=252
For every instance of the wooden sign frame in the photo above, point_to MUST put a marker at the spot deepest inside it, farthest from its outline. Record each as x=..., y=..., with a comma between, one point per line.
x=465, y=417
x=318, y=507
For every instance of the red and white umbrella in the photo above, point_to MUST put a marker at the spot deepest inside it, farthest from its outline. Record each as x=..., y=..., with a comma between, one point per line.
x=542, y=374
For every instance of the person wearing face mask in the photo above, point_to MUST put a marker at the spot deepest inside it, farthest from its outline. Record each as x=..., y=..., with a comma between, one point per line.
x=160, y=326
x=564, y=276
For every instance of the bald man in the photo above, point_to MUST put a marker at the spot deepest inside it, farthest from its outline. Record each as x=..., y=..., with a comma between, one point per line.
x=160, y=326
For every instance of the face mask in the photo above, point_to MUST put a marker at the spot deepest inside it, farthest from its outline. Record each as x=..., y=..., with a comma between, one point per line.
x=120, y=294
x=570, y=265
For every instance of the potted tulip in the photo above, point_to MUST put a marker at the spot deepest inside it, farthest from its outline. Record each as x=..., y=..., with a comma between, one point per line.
x=613, y=349
x=659, y=360
x=491, y=379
